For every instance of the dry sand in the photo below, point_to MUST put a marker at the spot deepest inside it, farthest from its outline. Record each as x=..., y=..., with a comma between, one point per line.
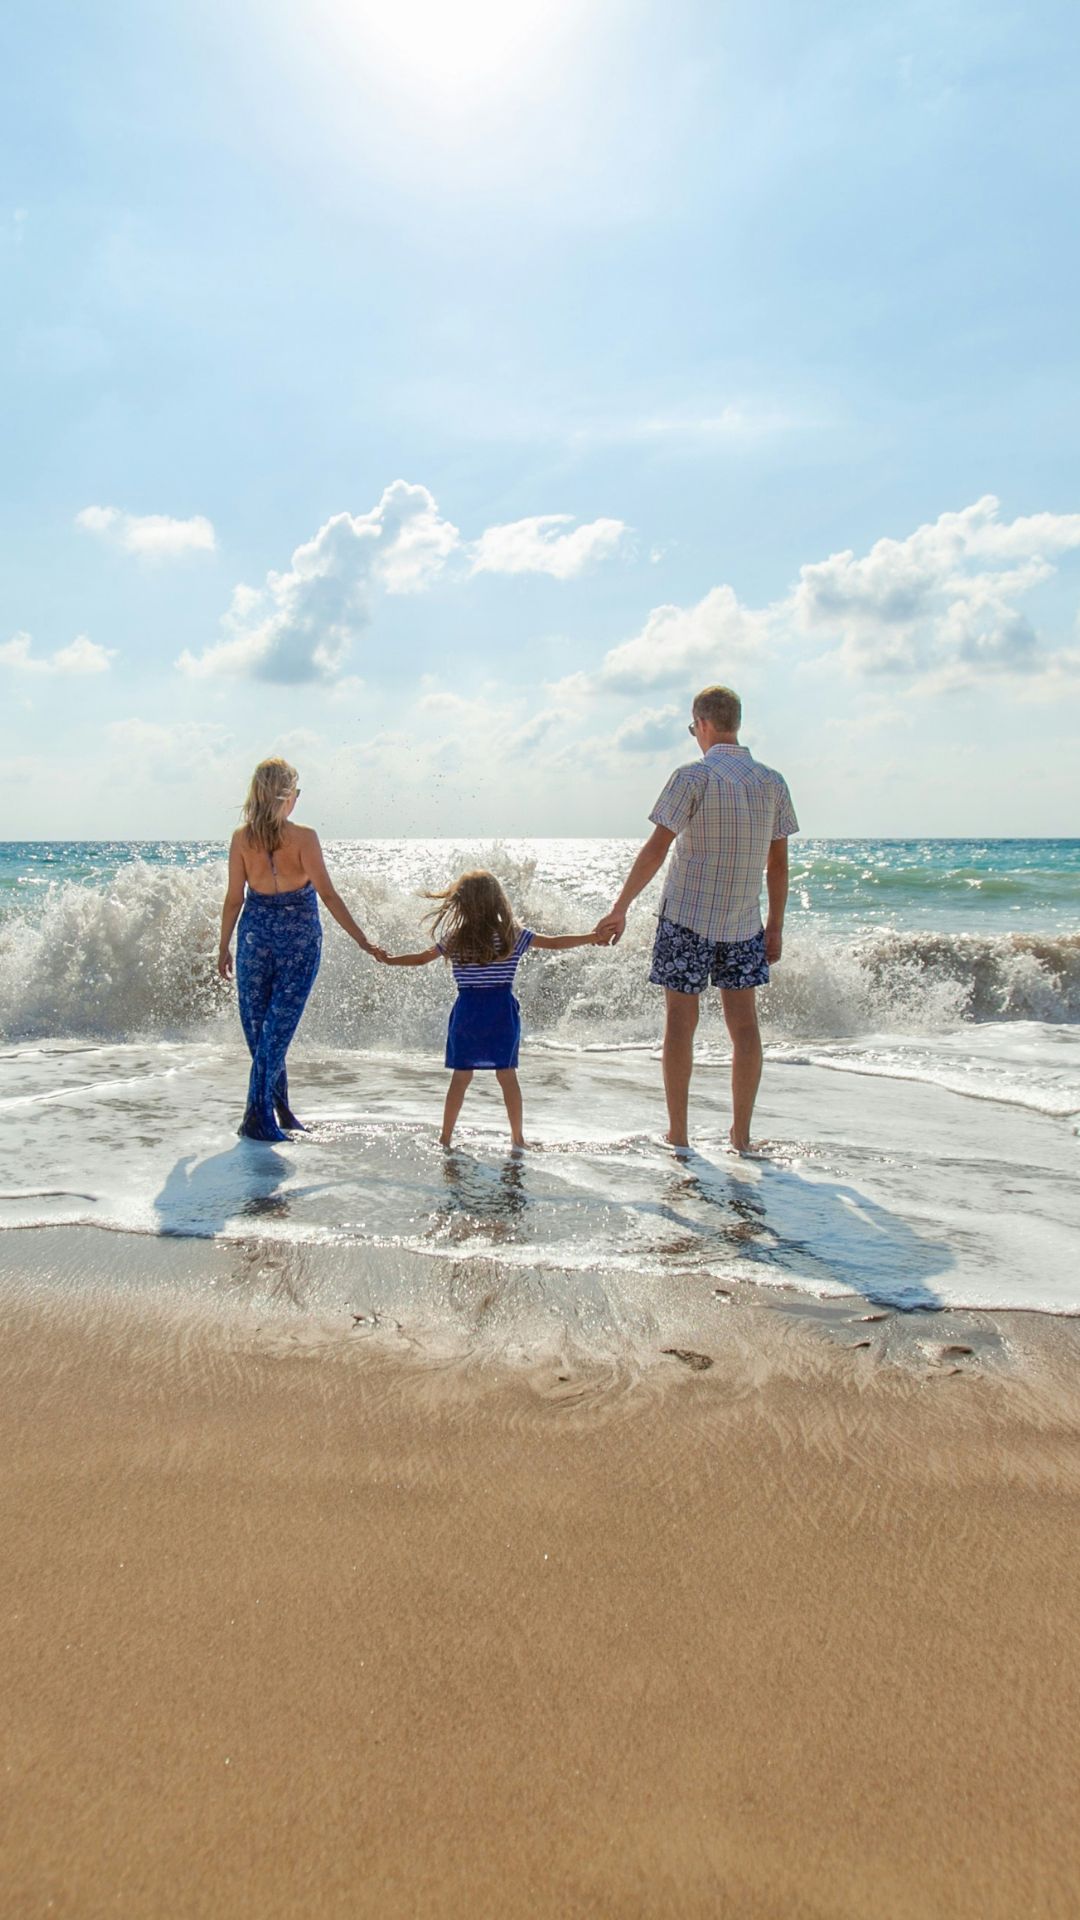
x=302, y=1632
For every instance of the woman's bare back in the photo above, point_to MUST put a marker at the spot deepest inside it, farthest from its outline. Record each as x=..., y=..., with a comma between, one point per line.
x=288, y=871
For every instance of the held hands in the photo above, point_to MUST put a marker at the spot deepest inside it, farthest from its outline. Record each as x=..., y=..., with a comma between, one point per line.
x=377, y=953
x=609, y=931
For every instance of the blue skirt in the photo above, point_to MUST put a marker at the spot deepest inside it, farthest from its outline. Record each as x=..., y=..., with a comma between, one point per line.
x=485, y=1029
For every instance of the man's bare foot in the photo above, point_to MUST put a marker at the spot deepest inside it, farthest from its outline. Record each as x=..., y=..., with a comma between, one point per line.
x=446, y=1139
x=742, y=1144
x=752, y=1149
x=677, y=1146
x=517, y=1146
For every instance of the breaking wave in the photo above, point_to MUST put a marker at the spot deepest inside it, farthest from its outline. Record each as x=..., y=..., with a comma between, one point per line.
x=133, y=957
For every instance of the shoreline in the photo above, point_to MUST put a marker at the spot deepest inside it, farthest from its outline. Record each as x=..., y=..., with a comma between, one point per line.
x=241, y=1289
x=303, y=1626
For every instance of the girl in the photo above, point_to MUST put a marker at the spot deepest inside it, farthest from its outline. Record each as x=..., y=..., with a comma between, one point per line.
x=276, y=871
x=475, y=929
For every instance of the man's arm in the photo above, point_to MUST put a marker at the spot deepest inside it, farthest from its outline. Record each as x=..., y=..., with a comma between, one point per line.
x=776, y=885
x=649, y=862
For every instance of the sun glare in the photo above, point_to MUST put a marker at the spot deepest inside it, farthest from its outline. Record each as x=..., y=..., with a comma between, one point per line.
x=457, y=49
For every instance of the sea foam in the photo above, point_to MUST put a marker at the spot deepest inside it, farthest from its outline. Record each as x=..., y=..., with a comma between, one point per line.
x=133, y=956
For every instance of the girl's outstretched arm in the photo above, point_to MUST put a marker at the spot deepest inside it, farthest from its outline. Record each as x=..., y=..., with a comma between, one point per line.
x=559, y=942
x=411, y=959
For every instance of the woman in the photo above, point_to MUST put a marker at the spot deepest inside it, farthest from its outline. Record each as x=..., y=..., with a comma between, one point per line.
x=279, y=939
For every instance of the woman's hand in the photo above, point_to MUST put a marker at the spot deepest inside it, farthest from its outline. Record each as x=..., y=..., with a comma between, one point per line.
x=365, y=946
x=225, y=963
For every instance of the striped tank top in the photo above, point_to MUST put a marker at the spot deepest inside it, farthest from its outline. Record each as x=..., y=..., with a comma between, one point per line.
x=497, y=973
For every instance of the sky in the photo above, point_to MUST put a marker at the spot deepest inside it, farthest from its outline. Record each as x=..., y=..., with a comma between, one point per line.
x=440, y=395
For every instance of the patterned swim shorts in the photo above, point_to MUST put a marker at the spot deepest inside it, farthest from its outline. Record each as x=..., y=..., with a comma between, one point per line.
x=687, y=962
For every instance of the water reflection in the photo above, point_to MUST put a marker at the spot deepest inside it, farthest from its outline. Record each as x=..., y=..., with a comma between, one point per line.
x=482, y=1201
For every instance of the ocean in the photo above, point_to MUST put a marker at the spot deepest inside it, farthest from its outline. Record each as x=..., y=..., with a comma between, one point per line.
x=920, y=1102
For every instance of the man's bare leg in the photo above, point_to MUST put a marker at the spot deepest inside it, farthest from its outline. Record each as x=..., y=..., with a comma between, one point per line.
x=455, y=1094
x=679, y=1028
x=740, y=1013
x=511, y=1093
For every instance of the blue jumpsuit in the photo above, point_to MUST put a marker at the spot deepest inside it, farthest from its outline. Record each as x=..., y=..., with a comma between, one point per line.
x=278, y=944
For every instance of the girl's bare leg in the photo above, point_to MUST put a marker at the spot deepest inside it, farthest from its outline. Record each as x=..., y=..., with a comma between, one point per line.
x=455, y=1094
x=511, y=1093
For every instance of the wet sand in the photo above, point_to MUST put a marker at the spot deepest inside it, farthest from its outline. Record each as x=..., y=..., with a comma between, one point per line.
x=302, y=1629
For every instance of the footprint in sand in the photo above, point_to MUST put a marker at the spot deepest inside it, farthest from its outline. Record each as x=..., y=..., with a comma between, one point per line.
x=939, y=1357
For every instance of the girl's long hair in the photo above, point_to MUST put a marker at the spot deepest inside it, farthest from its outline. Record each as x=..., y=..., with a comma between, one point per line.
x=271, y=783
x=474, y=922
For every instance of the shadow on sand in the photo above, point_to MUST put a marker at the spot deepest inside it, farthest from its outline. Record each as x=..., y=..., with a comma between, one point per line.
x=200, y=1197
x=819, y=1231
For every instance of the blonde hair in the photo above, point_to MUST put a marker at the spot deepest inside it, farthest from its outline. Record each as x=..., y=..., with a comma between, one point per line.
x=475, y=922
x=271, y=783
x=720, y=707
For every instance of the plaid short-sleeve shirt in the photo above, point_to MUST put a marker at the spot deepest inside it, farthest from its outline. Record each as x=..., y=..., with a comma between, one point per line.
x=726, y=809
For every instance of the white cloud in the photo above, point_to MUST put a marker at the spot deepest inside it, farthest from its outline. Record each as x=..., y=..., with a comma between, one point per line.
x=934, y=600
x=152, y=736
x=537, y=728
x=81, y=657
x=701, y=644
x=537, y=545
x=170, y=753
x=303, y=623
x=415, y=542
x=155, y=535
x=654, y=730
x=940, y=608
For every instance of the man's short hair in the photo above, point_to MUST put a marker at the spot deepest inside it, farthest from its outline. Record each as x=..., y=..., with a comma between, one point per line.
x=720, y=707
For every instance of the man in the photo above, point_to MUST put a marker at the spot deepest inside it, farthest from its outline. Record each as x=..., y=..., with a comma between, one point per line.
x=730, y=818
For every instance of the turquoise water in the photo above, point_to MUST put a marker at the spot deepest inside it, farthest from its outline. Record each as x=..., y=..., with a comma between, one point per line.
x=947, y=885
